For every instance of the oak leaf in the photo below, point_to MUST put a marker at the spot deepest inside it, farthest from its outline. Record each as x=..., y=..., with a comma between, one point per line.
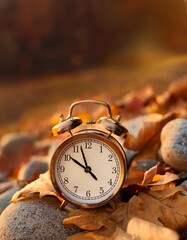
x=41, y=186
x=159, y=207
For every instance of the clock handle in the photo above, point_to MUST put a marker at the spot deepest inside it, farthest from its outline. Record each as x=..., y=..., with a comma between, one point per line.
x=109, y=123
x=89, y=101
x=70, y=122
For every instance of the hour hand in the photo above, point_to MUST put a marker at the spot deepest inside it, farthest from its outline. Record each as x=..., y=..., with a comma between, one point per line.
x=77, y=162
x=87, y=169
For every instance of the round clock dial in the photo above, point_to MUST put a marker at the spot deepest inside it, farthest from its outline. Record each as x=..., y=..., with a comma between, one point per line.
x=88, y=169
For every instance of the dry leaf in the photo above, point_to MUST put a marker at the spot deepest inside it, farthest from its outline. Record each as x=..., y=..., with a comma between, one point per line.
x=148, y=133
x=90, y=219
x=156, y=187
x=167, y=193
x=159, y=182
x=176, y=91
x=104, y=234
x=172, y=100
x=149, y=175
x=167, y=210
x=135, y=100
x=150, y=231
x=134, y=175
x=128, y=192
x=42, y=186
x=119, y=234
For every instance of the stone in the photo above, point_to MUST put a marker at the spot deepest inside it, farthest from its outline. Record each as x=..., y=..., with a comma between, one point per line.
x=31, y=170
x=174, y=144
x=16, y=148
x=34, y=219
x=6, y=197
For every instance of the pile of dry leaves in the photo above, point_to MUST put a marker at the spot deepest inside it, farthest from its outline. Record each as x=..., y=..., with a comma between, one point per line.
x=152, y=203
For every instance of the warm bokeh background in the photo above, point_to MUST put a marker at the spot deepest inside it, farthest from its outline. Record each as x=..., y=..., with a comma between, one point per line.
x=54, y=51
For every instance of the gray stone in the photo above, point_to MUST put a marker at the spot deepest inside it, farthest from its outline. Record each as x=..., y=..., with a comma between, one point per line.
x=174, y=144
x=6, y=197
x=34, y=219
x=31, y=170
x=16, y=148
x=13, y=142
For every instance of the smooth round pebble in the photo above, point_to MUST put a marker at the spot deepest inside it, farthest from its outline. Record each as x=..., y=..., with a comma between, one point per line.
x=174, y=144
x=31, y=170
x=6, y=197
x=16, y=148
x=34, y=219
x=13, y=142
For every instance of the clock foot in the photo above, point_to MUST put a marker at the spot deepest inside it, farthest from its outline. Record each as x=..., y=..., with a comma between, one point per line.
x=63, y=204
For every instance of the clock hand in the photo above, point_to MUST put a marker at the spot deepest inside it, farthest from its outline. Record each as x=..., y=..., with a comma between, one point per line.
x=85, y=162
x=87, y=168
x=93, y=175
x=77, y=162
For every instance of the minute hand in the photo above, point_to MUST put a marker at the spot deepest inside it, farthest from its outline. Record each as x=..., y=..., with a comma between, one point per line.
x=85, y=162
x=87, y=168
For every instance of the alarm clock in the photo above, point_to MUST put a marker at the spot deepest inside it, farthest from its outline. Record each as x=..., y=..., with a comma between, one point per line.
x=89, y=167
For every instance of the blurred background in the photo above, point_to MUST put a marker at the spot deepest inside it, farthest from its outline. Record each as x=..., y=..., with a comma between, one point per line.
x=56, y=51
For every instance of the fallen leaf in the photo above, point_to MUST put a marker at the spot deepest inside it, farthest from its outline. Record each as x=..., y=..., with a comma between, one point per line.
x=90, y=219
x=128, y=192
x=156, y=208
x=167, y=193
x=149, y=175
x=165, y=210
x=159, y=182
x=171, y=100
x=148, y=132
x=42, y=186
x=176, y=91
x=134, y=175
x=135, y=101
x=156, y=187
x=150, y=231
x=104, y=234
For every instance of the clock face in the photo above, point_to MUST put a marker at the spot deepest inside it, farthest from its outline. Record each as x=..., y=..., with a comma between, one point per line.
x=88, y=169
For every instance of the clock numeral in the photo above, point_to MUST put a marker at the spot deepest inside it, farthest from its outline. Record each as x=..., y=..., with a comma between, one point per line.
x=110, y=182
x=88, y=193
x=66, y=180
x=62, y=169
x=67, y=157
x=101, y=190
x=101, y=149
x=110, y=158
x=75, y=149
x=88, y=145
x=114, y=170
x=76, y=188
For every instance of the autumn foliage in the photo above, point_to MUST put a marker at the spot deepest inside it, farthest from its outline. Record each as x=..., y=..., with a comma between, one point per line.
x=152, y=203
